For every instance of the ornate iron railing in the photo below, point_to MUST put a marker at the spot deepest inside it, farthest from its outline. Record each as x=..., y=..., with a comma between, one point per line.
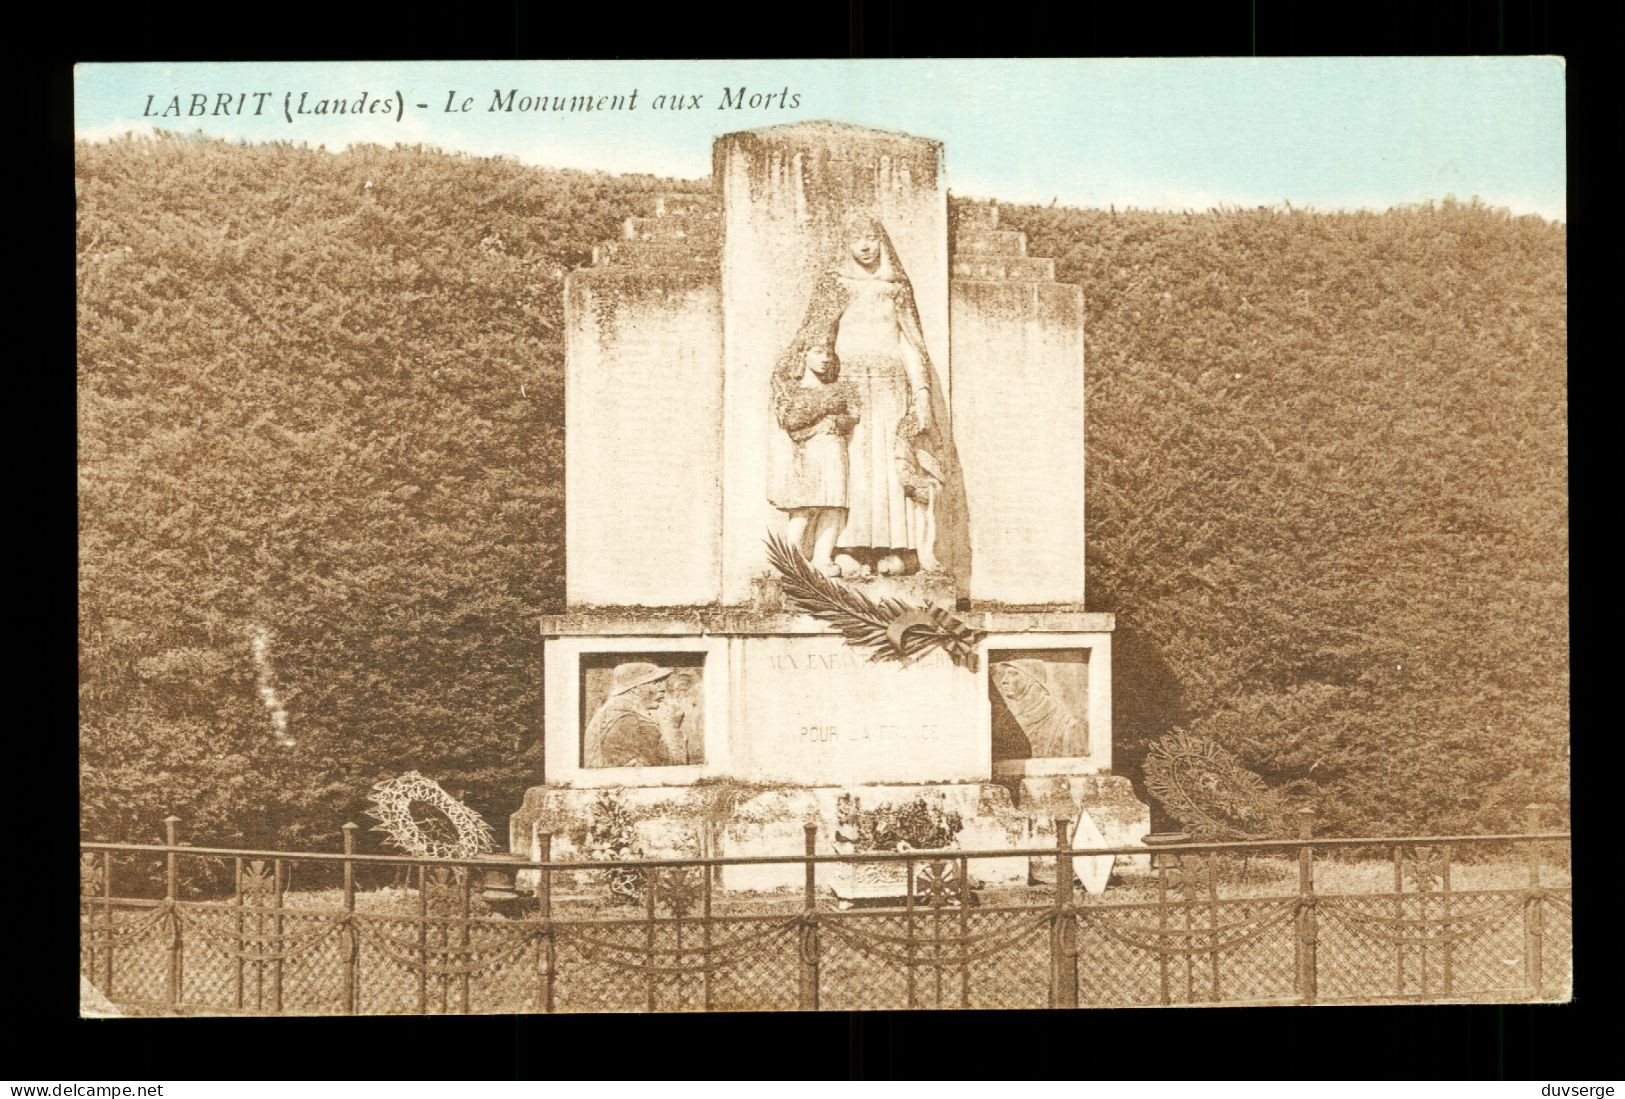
x=218, y=930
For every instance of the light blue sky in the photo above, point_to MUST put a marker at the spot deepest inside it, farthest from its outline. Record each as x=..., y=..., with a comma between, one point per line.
x=1327, y=133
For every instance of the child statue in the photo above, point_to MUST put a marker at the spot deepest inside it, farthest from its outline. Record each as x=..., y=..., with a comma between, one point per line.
x=818, y=411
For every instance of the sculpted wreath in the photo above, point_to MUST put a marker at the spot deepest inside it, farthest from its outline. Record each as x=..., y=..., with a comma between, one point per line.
x=393, y=803
x=1208, y=791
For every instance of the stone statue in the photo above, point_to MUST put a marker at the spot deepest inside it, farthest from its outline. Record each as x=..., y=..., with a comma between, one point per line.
x=818, y=412
x=627, y=731
x=894, y=475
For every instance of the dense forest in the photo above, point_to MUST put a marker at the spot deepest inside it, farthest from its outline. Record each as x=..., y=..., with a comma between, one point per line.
x=320, y=502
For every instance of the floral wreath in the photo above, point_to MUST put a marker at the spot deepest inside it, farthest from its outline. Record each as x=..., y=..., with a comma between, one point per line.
x=392, y=802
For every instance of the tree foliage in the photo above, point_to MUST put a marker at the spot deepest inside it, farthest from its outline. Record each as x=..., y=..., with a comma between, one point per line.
x=320, y=406
x=319, y=400
x=1326, y=496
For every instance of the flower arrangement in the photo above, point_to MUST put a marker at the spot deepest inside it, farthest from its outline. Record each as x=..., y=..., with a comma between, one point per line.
x=612, y=834
x=919, y=825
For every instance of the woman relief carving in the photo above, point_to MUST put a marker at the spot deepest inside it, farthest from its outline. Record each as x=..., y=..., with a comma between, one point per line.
x=860, y=358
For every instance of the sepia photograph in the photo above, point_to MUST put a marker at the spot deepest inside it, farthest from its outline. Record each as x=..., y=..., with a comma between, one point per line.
x=822, y=535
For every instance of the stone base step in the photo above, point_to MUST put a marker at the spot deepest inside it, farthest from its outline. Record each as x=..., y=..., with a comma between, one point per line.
x=672, y=228
x=921, y=589
x=642, y=253
x=990, y=242
x=686, y=204
x=978, y=215
x=729, y=820
x=1004, y=268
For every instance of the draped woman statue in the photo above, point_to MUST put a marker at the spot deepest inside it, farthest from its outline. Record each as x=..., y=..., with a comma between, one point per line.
x=894, y=475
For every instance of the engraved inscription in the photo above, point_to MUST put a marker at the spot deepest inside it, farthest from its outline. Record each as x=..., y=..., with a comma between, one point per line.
x=825, y=713
x=836, y=661
x=854, y=734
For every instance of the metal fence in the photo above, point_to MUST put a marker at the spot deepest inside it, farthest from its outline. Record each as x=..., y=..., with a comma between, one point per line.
x=222, y=931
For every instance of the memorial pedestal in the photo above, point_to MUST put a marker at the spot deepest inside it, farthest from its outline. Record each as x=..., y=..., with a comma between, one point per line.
x=690, y=710
x=781, y=718
x=742, y=820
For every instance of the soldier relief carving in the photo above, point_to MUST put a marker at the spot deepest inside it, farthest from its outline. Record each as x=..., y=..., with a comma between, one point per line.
x=643, y=713
x=853, y=392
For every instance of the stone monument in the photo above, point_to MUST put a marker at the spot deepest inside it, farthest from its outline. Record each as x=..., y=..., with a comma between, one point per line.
x=817, y=355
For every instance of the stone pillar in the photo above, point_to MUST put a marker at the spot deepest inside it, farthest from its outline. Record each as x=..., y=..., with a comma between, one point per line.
x=1018, y=415
x=784, y=193
x=642, y=422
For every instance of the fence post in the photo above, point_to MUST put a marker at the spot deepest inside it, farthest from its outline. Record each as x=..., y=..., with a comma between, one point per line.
x=423, y=938
x=1534, y=928
x=809, y=924
x=1065, y=939
x=107, y=922
x=279, y=873
x=542, y=849
x=1308, y=928
x=464, y=958
x=171, y=895
x=349, y=941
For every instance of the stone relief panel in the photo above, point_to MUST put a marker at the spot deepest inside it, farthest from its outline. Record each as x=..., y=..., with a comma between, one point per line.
x=1040, y=703
x=642, y=709
x=835, y=240
x=863, y=466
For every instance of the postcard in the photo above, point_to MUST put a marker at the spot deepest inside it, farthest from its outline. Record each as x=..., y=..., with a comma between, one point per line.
x=822, y=535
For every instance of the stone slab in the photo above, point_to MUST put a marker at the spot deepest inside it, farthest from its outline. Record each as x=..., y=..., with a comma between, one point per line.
x=785, y=191
x=1092, y=871
x=1014, y=268
x=744, y=820
x=786, y=700
x=815, y=710
x=704, y=621
x=802, y=708
x=920, y=589
x=1019, y=429
x=643, y=462
x=989, y=242
x=738, y=820
x=1123, y=820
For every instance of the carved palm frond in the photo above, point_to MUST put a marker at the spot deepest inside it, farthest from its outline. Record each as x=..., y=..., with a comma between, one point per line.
x=893, y=629
x=1208, y=791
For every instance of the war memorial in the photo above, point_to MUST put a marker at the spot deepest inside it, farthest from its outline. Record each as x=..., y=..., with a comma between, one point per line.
x=825, y=520
x=815, y=710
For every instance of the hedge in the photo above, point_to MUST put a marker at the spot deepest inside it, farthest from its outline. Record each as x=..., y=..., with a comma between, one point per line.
x=320, y=452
